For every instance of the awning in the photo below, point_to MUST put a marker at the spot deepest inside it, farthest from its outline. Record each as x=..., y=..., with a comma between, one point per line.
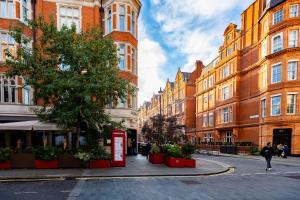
x=30, y=125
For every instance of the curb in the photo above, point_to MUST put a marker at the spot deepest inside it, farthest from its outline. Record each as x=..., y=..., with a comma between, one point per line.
x=62, y=178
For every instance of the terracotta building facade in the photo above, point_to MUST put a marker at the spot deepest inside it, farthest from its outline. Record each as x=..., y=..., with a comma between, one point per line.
x=177, y=99
x=250, y=93
x=119, y=20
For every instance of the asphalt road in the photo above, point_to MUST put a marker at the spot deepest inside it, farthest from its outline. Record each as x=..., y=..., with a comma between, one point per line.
x=248, y=181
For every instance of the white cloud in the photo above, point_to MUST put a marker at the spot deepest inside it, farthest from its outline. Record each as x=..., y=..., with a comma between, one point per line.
x=151, y=60
x=195, y=27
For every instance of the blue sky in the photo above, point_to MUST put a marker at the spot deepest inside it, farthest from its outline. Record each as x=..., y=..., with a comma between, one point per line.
x=176, y=33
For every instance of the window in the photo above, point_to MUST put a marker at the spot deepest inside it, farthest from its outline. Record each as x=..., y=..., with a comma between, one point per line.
x=229, y=51
x=26, y=95
x=291, y=104
x=277, y=43
x=292, y=70
x=211, y=81
x=275, y=105
x=122, y=57
x=264, y=78
x=208, y=137
x=294, y=10
x=276, y=73
x=265, y=26
x=263, y=108
x=236, y=46
x=278, y=17
x=109, y=24
x=225, y=93
x=6, y=42
x=25, y=10
x=211, y=119
x=7, y=9
x=205, y=84
x=204, y=120
x=69, y=16
x=264, y=48
x=226, y=71
x=293, y=38
x=227, y=136
x=225, y=115
x=122, y=17
x=133, y=24
x=8, y=90
x=133, y=60
x=121, y=103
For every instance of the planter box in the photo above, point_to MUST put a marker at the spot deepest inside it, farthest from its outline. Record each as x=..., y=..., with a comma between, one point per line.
x=191, y=163
x=46, y=164
x=22, y=161
x=175, y=162
x=95, y=164
x=68, y=161
x=157, y=158
x=5, y=165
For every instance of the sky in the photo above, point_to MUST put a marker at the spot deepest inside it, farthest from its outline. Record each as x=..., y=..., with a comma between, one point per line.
x=174, y=34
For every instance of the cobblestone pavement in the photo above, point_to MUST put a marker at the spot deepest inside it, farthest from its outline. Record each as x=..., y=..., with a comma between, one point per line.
x=248, y=181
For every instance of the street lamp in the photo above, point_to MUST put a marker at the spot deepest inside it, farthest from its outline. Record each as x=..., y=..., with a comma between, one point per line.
x=160, y=93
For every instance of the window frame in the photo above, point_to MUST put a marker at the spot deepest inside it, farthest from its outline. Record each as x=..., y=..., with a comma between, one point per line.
x=296, y=70
x=293, y=43
x=294, y=103
x=272, y=97
x=281, y=16
x=263, y=104
x=120, y=55
x=122, y=16
x=272, y=73
x=65, y=16
x=290, y=11
x=273, y=45
x=7, y=15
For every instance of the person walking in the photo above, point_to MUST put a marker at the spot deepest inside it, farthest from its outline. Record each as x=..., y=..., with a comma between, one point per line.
x=285, y=151
x=279, y=150
x=267, y=153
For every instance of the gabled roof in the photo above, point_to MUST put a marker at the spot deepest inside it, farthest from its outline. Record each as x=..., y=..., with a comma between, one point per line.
x=186, y=76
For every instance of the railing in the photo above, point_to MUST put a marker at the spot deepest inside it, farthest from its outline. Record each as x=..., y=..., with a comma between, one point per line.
x=234, y=148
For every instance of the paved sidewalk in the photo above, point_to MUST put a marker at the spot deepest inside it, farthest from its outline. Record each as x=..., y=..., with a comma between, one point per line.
x=137, y=166
x=290, y=160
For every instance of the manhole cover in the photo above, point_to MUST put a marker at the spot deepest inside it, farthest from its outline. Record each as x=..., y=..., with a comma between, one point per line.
x=191, y=182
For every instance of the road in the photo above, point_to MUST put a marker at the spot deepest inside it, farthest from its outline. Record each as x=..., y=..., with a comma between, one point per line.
x=248, y=181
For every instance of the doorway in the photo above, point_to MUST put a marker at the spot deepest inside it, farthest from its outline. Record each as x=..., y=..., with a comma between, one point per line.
x=282, y=136
x=131, y=142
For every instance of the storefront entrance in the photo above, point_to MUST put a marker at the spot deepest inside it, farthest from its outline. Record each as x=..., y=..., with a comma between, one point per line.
x=282, y=136
x=131, y=142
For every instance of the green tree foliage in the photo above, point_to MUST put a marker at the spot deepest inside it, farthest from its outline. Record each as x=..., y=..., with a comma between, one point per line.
x=74, y=74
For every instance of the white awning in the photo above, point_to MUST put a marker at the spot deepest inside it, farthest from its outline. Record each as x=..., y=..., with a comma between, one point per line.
x=30, y=125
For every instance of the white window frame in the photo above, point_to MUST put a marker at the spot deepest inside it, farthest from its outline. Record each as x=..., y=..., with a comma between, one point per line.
x=204, y=120
x=10, y=43
x=293, y=42
x=275, y=96
x=296, y=11
x=279, y=18
x=224, y=94
x=8, y=14
x=263, y=108
x=133, y=23
x=229, y=51
x=59, y=16
x=122, y=15
x=211, y=119
x=226, y=71
x=264, y=77
x=272, y=72
x=119, y=54
x=290, y=71
x=225, y=115
x=294, y=103
x=264, y=48
x=109, y=20
x=273, y=45
x=10, y=89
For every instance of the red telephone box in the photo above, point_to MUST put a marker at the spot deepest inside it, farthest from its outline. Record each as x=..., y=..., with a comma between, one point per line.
x=118, y=148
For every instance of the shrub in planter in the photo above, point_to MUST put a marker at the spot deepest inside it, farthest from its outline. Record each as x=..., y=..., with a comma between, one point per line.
x=187, y=150
x=5, y=155
x=100, y=158
x=155, y=156
x=174, y=157
x=46, y=158
x=84, y=157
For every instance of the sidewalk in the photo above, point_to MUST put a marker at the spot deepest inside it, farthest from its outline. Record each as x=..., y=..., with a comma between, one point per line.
x=137, y=166
x=291, y=160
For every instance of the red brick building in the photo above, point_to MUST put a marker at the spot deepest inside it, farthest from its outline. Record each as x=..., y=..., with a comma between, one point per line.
x=119, y=20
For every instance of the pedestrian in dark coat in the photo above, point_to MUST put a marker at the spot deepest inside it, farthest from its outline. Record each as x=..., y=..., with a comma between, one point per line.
x=285, y=151
x=267, y=153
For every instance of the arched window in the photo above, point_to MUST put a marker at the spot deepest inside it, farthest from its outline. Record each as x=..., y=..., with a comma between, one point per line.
x=5, y=91
x=8, y=90
x=13, y=91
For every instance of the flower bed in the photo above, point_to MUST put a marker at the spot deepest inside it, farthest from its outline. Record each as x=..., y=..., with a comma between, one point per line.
x=5, y=165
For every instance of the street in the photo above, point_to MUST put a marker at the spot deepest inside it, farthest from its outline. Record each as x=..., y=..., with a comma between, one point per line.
x=248, y=181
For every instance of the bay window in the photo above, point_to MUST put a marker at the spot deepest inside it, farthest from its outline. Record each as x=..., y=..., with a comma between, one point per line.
x=109, y=19
x=291, y=104
x=263, y=108
x=122, y=57
x=133, y=24
x=292, y=70
x=276, y=105
x=277, y=43
x=278, y=17
x=122, y=17
x=294, y=9
x=293, y=38
x=276, y=73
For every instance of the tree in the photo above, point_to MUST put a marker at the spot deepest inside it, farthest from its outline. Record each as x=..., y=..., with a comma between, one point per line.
x=74, y=74
x=173, y=130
